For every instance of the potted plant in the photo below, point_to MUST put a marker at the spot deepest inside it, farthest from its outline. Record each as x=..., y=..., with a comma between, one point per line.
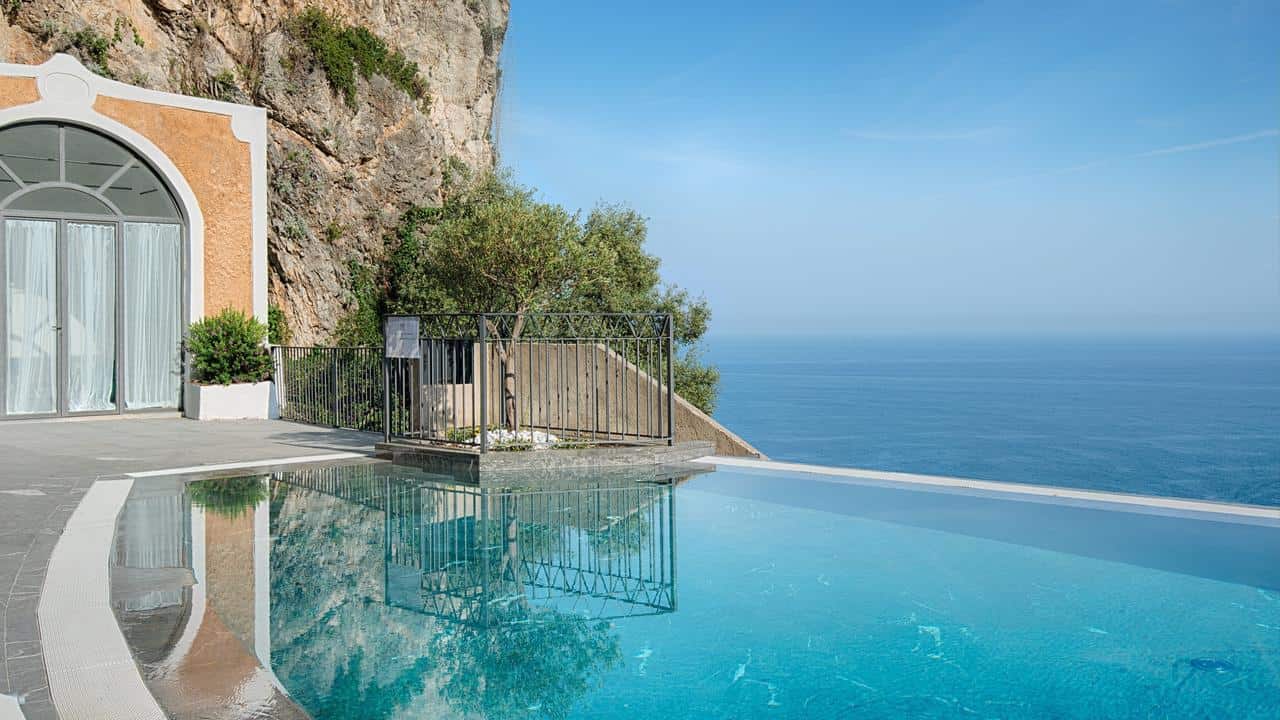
x=230, y=369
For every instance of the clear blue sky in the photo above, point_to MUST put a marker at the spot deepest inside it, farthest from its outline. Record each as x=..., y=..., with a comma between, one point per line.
x=859, y=167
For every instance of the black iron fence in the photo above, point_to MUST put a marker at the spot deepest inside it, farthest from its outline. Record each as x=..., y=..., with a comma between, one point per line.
x=333, y=386
x=508, y=381
x=496, y=382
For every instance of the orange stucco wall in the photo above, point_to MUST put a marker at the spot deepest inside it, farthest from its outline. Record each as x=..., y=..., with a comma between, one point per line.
x=218, y=168
x=17, y=91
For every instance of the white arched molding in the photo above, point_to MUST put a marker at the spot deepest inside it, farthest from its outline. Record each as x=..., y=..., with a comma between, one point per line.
x=67, y=92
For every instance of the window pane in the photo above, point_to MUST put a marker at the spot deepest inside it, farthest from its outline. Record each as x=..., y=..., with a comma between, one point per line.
x=31, y=312
x=139, y=192
x=61, y=199
x=90, y=331
x=31, y=151
x=152, y=314
x=7, y=186
x=91, y=158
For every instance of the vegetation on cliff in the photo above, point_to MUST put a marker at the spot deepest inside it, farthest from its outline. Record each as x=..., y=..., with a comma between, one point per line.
x=342, y=50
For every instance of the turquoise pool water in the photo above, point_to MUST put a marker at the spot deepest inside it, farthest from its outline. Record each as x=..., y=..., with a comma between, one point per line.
x=746, y=595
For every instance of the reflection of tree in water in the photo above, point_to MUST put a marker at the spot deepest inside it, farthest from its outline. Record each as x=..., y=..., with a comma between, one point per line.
x=534, y=662
x=361, y=698
x=513, y=659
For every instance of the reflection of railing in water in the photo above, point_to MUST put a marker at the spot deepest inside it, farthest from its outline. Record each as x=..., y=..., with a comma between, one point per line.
x=602, y=552
x=355, y=483
x=482, y=555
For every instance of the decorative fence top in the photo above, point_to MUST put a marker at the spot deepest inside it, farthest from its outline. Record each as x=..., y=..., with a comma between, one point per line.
x=536, y=326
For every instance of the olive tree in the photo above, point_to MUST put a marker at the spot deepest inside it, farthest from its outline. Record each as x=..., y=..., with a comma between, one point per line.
x=494, y=247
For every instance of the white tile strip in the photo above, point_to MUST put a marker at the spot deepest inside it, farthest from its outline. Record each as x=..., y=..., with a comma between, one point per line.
x=91, y=673
x=1043, y=491
x=249, y=464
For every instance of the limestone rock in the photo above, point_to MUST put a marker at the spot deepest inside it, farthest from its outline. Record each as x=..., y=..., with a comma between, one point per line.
x=339, y=177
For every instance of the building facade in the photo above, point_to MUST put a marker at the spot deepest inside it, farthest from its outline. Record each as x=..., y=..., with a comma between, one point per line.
x=125, y=215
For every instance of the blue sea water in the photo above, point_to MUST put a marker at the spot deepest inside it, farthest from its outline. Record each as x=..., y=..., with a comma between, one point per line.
x=1189, y=417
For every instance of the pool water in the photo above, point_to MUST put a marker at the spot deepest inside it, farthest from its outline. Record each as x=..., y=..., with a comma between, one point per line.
x=389, y=593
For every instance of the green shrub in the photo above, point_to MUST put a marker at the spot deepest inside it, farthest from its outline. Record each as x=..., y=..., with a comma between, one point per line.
x=342, y=50
x=277, y=327
x=228, y=348
x=93, y=48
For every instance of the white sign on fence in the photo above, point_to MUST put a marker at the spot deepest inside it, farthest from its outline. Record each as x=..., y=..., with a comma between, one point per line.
x=402, y=338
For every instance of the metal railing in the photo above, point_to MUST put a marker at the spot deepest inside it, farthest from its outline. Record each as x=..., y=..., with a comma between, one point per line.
x=334, y=386
x=507, y=381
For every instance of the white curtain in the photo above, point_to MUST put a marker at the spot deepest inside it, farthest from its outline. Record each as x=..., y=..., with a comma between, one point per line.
x=31, y=312
x=91, y=316
x=152, y=314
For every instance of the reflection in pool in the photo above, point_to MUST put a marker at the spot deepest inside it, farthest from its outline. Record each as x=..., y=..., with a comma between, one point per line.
x=497, y=600
x=369, y=591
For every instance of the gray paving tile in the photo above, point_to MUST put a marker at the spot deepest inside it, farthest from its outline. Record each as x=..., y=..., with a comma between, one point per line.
x=35, y=698
x=26, y=675
x=42, y=710
x=21, y=649
x=20, y=619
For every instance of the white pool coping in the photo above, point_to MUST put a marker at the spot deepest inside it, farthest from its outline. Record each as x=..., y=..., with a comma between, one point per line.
x=92, y=674
x=1004, y=488
x=91, y=671
x=296, y=460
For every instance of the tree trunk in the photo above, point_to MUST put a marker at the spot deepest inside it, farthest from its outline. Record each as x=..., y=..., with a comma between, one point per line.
x=509, y=393
x=507, y=352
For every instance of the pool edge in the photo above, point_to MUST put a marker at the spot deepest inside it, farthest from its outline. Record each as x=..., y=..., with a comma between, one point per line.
x=91, y=671
x=1006, y=488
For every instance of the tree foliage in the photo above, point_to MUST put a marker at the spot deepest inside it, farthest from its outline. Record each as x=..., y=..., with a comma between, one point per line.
x=278, y=332
x=492, y=246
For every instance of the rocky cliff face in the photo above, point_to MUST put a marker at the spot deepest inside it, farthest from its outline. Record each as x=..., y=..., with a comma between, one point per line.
x=341, y=172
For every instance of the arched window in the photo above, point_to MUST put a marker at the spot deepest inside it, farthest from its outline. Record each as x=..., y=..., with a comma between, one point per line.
x=46, y=167
x=92, y=265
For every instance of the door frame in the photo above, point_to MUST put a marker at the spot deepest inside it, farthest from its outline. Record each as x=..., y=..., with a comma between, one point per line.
x=61, y=220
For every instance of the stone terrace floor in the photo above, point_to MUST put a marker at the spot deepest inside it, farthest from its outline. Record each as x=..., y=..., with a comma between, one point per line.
x=45, y=469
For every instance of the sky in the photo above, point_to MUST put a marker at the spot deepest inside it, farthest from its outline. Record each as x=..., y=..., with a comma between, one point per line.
x=923, y=167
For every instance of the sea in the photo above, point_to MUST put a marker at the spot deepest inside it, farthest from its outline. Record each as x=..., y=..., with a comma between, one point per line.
x=1195, y=417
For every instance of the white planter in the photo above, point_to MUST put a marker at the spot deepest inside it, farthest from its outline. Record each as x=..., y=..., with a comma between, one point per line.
x=242, y=401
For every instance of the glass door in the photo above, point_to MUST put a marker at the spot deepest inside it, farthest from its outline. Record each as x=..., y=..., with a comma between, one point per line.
x=153, y=315
x=89, y=327
x=31, y=317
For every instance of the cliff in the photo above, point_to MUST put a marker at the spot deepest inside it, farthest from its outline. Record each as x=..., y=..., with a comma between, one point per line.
x=344, y=163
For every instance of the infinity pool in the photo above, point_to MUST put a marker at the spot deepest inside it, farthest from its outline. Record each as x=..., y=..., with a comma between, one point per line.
x=371, y=591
